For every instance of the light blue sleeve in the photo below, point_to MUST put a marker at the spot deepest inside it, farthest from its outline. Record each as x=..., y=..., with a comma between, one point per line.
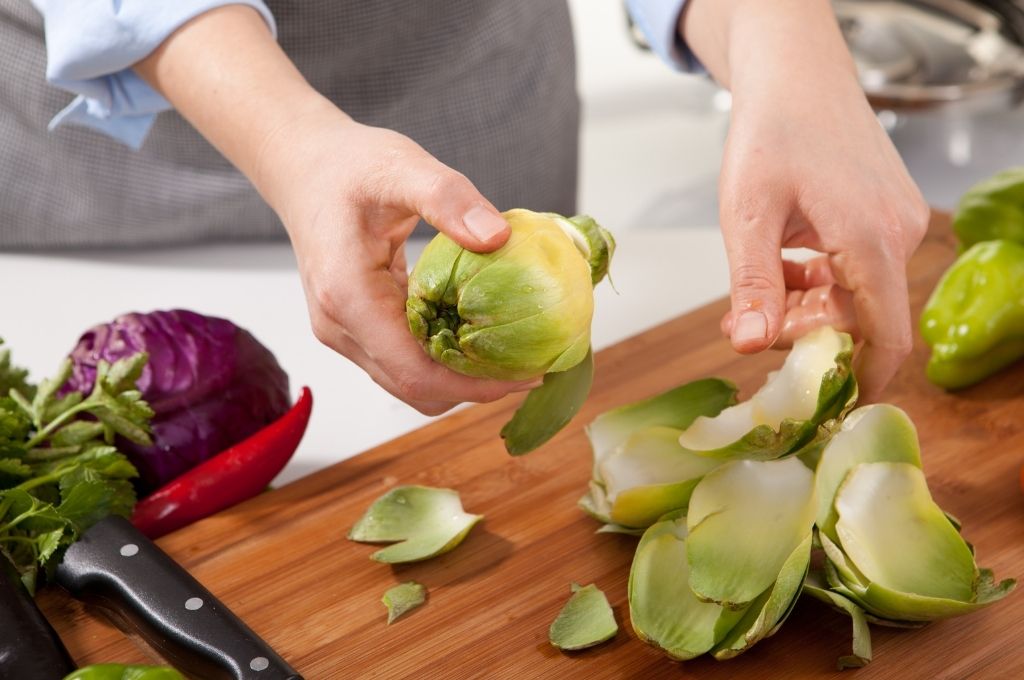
x=91, y=46
x=658, y=20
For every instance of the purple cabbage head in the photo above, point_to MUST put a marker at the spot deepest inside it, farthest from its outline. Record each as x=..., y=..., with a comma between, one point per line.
x=210, y=383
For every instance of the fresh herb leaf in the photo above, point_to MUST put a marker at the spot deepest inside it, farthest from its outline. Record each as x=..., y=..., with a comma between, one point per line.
x=12, y=377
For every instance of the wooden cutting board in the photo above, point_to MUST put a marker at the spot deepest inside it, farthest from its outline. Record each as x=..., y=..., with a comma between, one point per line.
x=281, y=561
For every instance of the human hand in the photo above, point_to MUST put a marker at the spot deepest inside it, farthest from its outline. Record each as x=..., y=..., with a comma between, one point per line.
x=807, y=165
x=349, y=196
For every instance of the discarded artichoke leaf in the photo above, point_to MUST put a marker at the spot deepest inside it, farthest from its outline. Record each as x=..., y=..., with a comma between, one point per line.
x=676, y=408
x=768, y=612
x=663, y=609
x=915, y=565
x=814, y=385
x=610, y=528
x=403, y=598
x=585, y=620
x=549, y=408
x=736, y=549
x=861, y=655
x=869, y=434
x=651, y=474
x=424, y=521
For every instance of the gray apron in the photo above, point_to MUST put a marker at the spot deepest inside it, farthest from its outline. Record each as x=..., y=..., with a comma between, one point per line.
x=486, y=86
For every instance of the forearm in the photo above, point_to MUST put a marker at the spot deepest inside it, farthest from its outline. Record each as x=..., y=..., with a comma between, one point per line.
x=225, y=73
x=750, y=46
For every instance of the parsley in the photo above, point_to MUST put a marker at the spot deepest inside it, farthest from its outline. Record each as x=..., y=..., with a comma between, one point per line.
x=60, y=472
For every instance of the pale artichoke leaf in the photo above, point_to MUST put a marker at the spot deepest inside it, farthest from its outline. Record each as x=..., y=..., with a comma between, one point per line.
x=663, y=610
x=875, y=433
x=736, y=549
x=421, y=521
x=585, y=620
x=861, y=652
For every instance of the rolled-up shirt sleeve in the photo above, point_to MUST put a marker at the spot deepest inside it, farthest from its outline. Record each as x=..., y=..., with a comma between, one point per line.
x=91, y=46
x=658, y=20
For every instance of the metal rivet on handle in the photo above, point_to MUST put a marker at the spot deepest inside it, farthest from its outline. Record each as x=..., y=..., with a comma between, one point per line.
x=193, y=603
x=260, y=663
x=129, y=549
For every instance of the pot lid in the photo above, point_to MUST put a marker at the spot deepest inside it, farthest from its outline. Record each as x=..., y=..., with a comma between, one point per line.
x=924, y=53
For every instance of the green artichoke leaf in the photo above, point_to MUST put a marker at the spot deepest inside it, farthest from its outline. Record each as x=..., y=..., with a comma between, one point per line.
x=549, y=408
x=421, y=521
x=790, y=411
x=663, y=609
x=650, y=475
x=913, y=563
x=403, y=598
x=875, y=433
x=585, y=620
x=736, y=548
x=770, y=610
x=815, y=587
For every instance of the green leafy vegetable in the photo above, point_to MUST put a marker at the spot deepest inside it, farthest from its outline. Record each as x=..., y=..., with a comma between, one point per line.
x=59, y=473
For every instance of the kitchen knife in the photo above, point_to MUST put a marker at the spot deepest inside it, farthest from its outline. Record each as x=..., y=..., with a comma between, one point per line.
x=115, y=567
x=29, y=646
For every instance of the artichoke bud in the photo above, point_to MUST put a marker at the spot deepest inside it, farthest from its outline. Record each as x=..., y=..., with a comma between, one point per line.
x=518, y=312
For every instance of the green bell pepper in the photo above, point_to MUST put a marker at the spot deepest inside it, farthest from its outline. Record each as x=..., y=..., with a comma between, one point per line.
x=992, y=209
x=974, y=320
x=117, y=671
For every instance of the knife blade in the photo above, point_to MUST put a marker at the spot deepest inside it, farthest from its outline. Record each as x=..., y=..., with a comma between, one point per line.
x=29, y=646
x=115, y=567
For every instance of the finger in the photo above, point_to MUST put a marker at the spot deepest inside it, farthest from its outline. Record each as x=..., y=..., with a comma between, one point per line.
x=400, y=267
x=810, y=274
x=757, y=289
x=821, y=306
x=879, y=285
x=449, y=202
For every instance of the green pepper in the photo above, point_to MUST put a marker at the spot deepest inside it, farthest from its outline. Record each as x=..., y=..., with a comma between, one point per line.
x=974, y=319
x=117, y=671
x=992, y=209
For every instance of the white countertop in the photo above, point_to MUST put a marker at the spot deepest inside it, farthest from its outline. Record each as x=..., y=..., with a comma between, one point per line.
x=49, y=300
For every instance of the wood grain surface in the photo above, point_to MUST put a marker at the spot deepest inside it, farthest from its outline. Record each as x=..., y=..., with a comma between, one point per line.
x=282, y=563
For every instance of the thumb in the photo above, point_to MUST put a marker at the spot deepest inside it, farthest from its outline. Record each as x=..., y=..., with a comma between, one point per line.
x=757, y=288
x=450, y=203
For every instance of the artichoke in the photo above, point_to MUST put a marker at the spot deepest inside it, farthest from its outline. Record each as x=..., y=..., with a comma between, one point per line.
x=516, y=313
x=520, y=312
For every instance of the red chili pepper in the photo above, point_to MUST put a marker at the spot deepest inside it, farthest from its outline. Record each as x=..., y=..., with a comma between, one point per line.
x=232, y=476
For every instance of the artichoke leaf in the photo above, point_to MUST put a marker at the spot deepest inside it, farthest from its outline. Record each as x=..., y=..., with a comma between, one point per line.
x=649, y=475
x=403, y=598
x=770, y=610
x=814, y=386
x=421, y=521
x=549, y=408
x=585, y=620
x=736, y=549
x=663, y=609
x=875, y=433
x=861, y=652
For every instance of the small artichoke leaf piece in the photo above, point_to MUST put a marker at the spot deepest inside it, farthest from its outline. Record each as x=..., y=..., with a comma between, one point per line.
x=814, y=386
x=736, y=548
x=663, y=609
x=403, y=598
x=771, y=608
x=594, y=242
x=676, y=408
x=549, y=408
x=611, y=528
x=861, y=652
x=915, y=565
x=585, y=620
x=869, y=434
x=651, y=474
x=422, y=521
x=595, y=503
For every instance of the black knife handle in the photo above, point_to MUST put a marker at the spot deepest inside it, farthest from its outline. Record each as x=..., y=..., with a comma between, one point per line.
x=29, y=646
x=117, y=568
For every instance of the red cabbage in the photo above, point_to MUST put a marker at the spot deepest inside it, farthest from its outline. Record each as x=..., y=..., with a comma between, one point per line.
x=210, y=383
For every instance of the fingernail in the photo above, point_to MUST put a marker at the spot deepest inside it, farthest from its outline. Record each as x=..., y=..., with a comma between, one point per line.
x=483, y=223
x=750, y=326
